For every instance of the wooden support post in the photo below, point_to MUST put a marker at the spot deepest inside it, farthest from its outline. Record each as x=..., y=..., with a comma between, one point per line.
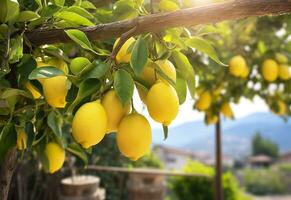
x=218, y=165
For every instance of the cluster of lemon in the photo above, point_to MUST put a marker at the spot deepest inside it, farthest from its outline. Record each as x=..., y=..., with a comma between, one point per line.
x=133, y=132
x=93, y=120
x=271, y=71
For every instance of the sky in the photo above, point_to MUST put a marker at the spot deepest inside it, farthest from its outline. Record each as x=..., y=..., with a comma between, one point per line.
x=186, y=113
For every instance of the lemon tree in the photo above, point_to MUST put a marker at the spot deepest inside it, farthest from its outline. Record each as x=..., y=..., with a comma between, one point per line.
x=64, y=96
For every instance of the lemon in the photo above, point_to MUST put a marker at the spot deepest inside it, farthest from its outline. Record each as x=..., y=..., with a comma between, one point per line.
x=211, y=119
x=246, y=72
x=55, y=91
x=162, y=103
x=21, y=140
x=281, y=58
x=281, y=110
x=226, y=110
x=114, y=109
x=89, y=124
x=33, y=90
x=55, y=155
x=204, y=101
x=134, y=136
x=270, y=70
x=284, y=72
x=123, y=56
x=168, y=5
x=78, y=64
x=237, y=66
x=168, y=69
x=148, y=74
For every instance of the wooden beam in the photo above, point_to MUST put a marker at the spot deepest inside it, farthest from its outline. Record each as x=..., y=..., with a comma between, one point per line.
x=230, y=10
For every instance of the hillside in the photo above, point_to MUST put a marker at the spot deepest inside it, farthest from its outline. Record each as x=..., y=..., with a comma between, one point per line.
x=237, y=134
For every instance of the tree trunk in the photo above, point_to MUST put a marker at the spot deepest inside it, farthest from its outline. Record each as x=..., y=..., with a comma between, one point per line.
x=6, y=172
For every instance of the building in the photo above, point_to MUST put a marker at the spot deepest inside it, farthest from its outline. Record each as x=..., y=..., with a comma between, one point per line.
x=175, y=158
x=260, y=161
x=285, y=158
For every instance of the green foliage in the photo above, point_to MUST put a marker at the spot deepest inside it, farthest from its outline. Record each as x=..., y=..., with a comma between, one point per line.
x=264, y=146
x=263, y=181
x=201, y=188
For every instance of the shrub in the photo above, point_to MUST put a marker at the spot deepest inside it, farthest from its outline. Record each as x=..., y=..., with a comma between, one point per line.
x=201, y=188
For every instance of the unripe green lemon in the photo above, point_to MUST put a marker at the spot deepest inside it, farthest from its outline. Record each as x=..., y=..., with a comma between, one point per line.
x=114, y=109
x=270, y=70
x=134, y=136
x=237, y=66
x=89, y=124
x=55, y=91
x=78, y=64
x=55, y=155
x=162, y=102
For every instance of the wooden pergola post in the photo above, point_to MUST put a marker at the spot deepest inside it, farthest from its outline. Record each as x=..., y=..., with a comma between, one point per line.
x=218, y=161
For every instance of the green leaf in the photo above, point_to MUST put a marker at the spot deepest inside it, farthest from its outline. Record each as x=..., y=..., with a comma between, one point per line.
x=27, y=15
x=205, y=47
x=55, y=122
x=166, y=131
x=139, y=55
x=29, y=130
x=124, y=9
x=74, y=18
x=88, y=5
x=80, y=11
x=11, y=92
x=86, y=88
x=78, y=151
x=16, y=49
x=49, y=11
x=45, y=72
x=186, y=70
x=3, y=10
x=12, y=10
x=124, y=86
x=98, y=69
x=59, y=2
x=24, y=68
x=80, y=38
x=8, y=136
x=181, y=88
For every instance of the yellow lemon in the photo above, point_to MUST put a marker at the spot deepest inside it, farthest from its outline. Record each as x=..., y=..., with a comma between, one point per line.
x=226, y=110
x=114, y=109
x=168, y=5
x=33, y=90
x=237, y=66
x=21, y=140
x=148, y=74
x=284, y=72
x=142, y=93
x=162, y=103
x=211, y=119
x=270, y=70
x=281, y=58
x=123, y=56
x=55, y=62
x=168, y=69
x=281, y=110
x=55, y=91
x=204, y=101
x=89, y=124
x=134, y=136
x=55, y=155
x=245, y=72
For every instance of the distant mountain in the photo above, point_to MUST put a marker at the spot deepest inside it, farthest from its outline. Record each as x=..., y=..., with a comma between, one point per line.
x=237, y=134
